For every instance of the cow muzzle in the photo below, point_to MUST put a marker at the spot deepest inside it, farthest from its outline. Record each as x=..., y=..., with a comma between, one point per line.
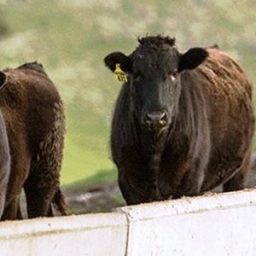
x=155, y=121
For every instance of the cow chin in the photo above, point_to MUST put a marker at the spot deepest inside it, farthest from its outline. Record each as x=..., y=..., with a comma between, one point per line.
x=155, y=129
x=156, y=132
x=153, y=140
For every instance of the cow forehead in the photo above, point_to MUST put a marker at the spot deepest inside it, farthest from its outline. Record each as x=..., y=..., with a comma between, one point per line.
x=153, y=58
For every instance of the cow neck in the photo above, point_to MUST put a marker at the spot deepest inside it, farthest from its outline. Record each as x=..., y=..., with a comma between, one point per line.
x=153, y=146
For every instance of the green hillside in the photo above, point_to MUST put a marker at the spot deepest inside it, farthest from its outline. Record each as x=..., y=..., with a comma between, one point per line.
x=71, y=38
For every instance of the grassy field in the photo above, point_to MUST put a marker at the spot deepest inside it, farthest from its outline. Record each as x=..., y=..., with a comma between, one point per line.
x=72, y=37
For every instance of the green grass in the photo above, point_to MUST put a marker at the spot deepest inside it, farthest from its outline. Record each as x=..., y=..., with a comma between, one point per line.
x=71, y=41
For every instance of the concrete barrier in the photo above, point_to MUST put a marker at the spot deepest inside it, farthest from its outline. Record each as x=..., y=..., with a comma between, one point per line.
x=99, y=234
x=218, y=224
x=221, y=224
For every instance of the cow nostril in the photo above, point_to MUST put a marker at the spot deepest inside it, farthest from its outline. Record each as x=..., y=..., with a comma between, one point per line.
x=156, y=119
x=147, y=117
x=163, y=119
x=148, y=120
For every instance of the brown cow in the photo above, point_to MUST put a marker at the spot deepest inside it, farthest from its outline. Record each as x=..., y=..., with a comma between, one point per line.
x=183, y=123
x=33, y=114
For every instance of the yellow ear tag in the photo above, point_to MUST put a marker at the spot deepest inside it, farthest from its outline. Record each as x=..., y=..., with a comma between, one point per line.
x=120, y=74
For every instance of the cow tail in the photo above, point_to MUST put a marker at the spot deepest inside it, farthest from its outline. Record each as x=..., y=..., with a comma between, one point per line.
x=59, y=202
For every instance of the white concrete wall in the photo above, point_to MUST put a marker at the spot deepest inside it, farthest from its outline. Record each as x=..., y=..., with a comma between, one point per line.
x=99, y=234
x=223, y=224
x=217, y=225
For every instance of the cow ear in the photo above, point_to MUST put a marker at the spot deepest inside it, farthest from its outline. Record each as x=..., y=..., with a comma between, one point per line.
x=114, y=58
x=192, y=58
x=2, y=78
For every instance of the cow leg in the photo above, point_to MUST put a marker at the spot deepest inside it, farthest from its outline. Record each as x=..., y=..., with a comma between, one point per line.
x=126, y=192
x=131, y=195
x=38, y=201
x=43, y=181
x=191, y=184
x=237, y=182
x=13, y=210
x=190, y=187
x=40, y=188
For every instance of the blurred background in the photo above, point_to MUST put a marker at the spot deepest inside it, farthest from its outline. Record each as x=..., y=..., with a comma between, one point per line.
x=71, y=37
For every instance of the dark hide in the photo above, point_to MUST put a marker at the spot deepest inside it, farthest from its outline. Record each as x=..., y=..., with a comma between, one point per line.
x=33, y=115
x=205, y=138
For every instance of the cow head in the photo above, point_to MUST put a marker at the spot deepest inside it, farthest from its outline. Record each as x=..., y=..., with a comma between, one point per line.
x=153, y=72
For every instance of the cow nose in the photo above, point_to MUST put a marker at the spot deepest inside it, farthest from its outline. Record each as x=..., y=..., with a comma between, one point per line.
x=155, y=120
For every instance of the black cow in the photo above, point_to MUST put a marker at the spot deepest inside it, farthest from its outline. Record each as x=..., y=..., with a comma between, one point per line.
x=183, y=123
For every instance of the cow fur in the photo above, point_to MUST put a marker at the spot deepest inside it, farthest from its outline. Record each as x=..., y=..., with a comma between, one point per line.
x=208, y=142
x=33, y=115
